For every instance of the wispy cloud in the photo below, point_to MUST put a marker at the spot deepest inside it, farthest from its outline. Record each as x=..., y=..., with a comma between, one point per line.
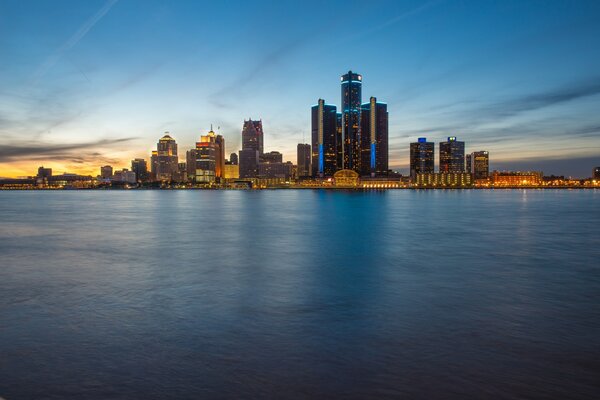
x=72, y=41
x=38, y=151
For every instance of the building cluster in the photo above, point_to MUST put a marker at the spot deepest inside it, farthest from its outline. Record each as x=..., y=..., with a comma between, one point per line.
x=349, y=148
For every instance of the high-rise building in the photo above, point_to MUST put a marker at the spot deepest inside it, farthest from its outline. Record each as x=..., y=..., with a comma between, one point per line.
x=351, y=126
x=374, y=138
x=106, y=172
x=478, y=164
x=153, y=164
x=252, y=136
x=167, y=159
x=596, y=173
x=140, y=168
x=248, y=167
x=303, y=160
x=452, y=155
x=208, y=158
x=233, y=159
x=324, y=143
x=339, y=141
x=421, y=157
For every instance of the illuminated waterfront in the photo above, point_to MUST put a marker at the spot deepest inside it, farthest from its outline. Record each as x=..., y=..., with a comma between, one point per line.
x=299, y=294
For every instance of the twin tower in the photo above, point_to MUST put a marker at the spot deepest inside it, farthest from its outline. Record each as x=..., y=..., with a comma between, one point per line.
x=355, y=138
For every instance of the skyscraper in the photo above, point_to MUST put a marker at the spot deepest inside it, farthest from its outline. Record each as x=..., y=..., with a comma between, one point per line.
x=324, y=144
x=303, y=160
x=374, y=138
x=252, y=136
x=452, y=155
x=140, y=168
x=478, y=164
x=167, y=160
x=596, y=173
x=233, y=159
x=351, y=126
x=421, y=157
x=209, y=160
x=339, y=138
x=248, y=163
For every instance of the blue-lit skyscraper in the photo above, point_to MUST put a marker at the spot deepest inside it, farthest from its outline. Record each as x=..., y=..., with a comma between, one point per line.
x=324, y=139
x=374, y=138
x=351, y=127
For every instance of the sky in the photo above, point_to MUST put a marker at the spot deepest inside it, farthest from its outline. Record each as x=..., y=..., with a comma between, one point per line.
x=96, y=82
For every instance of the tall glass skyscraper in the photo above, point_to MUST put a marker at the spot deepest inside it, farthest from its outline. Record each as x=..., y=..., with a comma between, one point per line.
x=303, y=160
x=452, y=155
x=324, y=135
x=351, y=127
x=374, y=138
x=421, y=157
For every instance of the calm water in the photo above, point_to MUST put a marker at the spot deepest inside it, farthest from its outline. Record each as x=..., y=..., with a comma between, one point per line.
x=300, y=294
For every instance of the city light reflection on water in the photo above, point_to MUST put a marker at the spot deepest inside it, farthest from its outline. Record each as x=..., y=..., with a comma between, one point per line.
x=299, y=294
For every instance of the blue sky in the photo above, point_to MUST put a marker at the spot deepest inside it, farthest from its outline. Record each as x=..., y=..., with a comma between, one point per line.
x=86, y=83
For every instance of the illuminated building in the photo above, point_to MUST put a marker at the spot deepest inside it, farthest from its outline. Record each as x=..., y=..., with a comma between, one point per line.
x=324, y=139
x=233, y=159
x=519, y=178
x=351, y=126
x=252, y=136
x=248, y=163
x=339, y=138
x=443, y=180
x=140, y=168
x=421, y=157
x=232, y=171
x=374, y=138
x=303, y=160
x=44, y=172
x=106, y=172
x=208, y=158
x=596, y=173
x=166, y=160
x=346, y=178
x=478, y=164
x=452, y=155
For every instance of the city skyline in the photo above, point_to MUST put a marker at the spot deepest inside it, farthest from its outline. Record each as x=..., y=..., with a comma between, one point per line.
x=75, y=96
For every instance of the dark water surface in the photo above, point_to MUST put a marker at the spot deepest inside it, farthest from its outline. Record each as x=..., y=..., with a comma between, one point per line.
x=300, y=294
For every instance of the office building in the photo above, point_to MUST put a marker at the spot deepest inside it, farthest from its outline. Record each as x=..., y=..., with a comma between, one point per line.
x=140, y=168
x=478, y=164
x=106, y=172
x=324, y=143
x=153, y=164
x=248, y=163
x=275, y=170
x=124, y=176
x=374, y=138
x=452, y=156
x=596, y=173
x=351, y=125
x=421, y=157
x=232, y=171
x=339, y=141
x=208, y=159
x=233, y=159
x=303, y=160
x=166, y=158
x=252, y=136
x=271, y=157
x=518, y=178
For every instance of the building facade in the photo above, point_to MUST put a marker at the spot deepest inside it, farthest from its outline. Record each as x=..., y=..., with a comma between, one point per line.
x=303, y=158
x=478, y=164
x=324, y=139
x=140, y=169
x=452, y=156
x=422, y=156
x=443, y=180
x=249, y=160
x=253, y=136
x=166, y=158
x=374, y=138
x=351, y=124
